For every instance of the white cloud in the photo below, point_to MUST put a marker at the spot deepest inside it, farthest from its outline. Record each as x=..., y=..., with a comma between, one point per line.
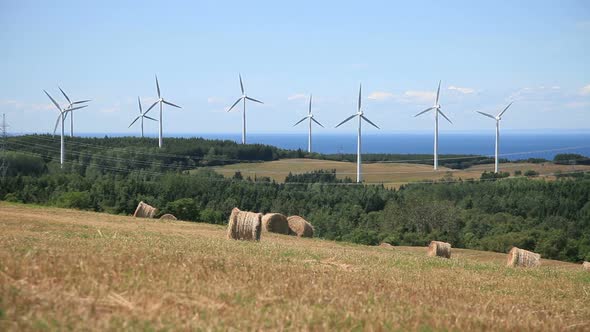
x=462, y=90
x=541, y=93
x=297, y=96
x=18, y=105
x=585, y=91
x=577, y=104
x=421, y=96
x=215, y=100
x=381, y=95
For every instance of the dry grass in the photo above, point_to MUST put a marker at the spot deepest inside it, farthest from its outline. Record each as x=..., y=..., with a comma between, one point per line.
x=391, y=174
x=73, y=270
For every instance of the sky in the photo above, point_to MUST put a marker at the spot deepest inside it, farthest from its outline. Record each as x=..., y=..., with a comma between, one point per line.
x=487, y=54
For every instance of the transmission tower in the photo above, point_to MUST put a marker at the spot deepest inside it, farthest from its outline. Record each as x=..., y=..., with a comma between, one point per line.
x=3, y=135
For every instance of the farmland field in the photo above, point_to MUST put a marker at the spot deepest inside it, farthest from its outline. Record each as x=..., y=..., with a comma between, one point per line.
x=390, y=174
x=72, y=270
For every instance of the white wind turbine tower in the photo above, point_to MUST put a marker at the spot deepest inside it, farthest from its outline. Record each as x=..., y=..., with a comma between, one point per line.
x=360, y=115
x=61, y=118
x=160, y=101
x=70, y=105
x=141, y=116
x=437, y=110
x=497, y=118
x=243, y=98
x=310, y=118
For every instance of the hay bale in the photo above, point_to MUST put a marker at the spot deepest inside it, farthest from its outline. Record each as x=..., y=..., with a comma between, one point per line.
x=439, y=249
x=275, y=223
x=244, y=225
x=523, y=258
x=299, y=226
x=586, y=266
x=168, y=216
x=386, y=245
x=144, y=210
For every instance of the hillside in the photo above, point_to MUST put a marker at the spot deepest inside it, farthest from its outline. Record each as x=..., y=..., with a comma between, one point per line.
x=68, y=269
x=390, y=174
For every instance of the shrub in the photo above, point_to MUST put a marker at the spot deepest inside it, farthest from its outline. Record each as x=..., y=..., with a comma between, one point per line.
x=11, y=197
x=531, y=173
x=75, y=200
x=184, y=209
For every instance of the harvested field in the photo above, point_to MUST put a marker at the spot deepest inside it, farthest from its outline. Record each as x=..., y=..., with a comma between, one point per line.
x=391, y=174
x=72, y=270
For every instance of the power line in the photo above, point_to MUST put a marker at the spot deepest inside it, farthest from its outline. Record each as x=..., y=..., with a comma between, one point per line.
x=406, y=183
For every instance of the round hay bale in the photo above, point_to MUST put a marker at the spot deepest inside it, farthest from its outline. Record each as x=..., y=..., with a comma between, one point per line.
x=386, y=245
x=144, y=210
x=523, y=258
x=586, y=266
x=275, y=223
x=244, y=225
x=439, y=249
x=168, y=216
x=299, y=226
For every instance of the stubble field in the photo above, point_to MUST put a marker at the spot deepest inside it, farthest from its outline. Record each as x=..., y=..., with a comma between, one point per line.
x=73, y=270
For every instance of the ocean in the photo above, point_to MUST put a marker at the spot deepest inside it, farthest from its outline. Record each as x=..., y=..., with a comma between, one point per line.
x=513, y=145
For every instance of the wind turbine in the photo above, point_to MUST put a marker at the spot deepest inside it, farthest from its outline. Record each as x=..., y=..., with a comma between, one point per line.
x=243, y=98
x=437, y=110
x=311, y=118
x=70, y=105
x=160, y=101
x=61, y=118
x=141, y=116
x=497, y=118
x=360, y=115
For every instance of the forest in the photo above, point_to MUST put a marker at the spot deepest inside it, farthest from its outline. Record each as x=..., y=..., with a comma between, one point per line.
x=112, y=175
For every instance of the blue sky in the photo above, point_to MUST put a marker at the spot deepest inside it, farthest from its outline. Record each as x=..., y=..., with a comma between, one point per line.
x=535, y=53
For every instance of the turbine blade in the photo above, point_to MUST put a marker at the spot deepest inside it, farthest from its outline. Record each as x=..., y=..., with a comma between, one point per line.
x=424, y=111
x=298, y=122
x=81, y=102
x=254, y=100
x=316, y=121
x=360, y=88
x=139, y=103
x=75, y=108
x=369, y=121
x=443, y=114
x=347, y=119
x=147, y=117
x=137, y=118
x=53, y=100
x=56, y=124
x=158, y=87
x=309, y=112
x=234, y=105
x=169, y=103
x=486, y=114
x=154, y=104
x=241, y=84
x=500, y=115
x=63, y=93
x=438, y=92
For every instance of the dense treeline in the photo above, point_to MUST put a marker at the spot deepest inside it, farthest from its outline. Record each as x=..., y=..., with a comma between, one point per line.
x=114, y=174
x=185, y=153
